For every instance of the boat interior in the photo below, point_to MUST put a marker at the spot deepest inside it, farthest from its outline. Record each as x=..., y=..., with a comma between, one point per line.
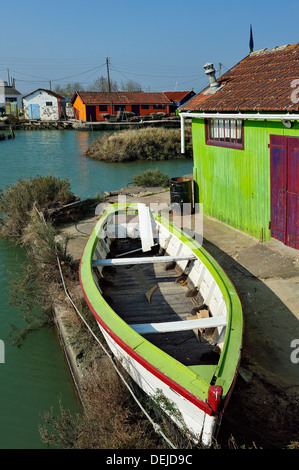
x=162, y=290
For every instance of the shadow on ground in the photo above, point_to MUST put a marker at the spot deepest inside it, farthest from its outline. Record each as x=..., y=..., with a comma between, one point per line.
x=264, y=410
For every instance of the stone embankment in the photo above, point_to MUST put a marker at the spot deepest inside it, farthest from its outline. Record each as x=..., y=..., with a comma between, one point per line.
x=167, y=122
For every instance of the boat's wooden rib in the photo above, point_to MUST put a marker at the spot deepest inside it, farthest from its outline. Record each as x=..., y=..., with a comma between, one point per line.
x=143, y=260
x=165, y=327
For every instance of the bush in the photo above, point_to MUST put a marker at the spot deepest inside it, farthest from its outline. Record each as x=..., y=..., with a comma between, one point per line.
x=17, y=201
x=38, y=282
x=150, y=178
x=140, y=144
x=110, y=419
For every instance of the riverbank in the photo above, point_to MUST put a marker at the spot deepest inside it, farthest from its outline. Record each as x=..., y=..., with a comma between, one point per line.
x=61, y=154
x=264, y=406
x=73, y=124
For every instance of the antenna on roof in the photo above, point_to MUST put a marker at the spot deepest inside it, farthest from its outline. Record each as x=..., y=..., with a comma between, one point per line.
x=251, y=43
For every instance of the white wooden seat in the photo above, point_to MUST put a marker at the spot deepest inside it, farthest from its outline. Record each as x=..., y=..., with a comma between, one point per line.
x=145, y=227
x=184, y=325
x=143, y=260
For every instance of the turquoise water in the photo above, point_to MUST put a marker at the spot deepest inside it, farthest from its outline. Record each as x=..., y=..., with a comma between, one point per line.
x=61, y=153
x=34, y=377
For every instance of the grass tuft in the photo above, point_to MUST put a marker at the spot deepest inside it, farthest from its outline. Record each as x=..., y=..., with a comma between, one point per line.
x=151, y=178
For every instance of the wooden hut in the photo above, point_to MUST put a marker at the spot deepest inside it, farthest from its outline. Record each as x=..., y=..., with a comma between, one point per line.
x=246, y=144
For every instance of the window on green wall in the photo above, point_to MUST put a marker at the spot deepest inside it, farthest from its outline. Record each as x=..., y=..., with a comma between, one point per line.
x=225, y=133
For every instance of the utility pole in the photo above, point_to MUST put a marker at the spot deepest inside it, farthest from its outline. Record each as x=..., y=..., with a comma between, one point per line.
x=8, y=77
x=107, y=63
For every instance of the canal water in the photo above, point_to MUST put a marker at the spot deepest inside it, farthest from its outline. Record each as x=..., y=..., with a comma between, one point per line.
x=35, y=377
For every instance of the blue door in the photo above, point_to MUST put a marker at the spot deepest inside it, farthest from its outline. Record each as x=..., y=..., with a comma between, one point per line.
x=34, y=111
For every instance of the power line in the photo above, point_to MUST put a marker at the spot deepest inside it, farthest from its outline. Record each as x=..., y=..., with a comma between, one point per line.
x=158, y=76
x=175, y=77
x=58, y=79
x=77, y=75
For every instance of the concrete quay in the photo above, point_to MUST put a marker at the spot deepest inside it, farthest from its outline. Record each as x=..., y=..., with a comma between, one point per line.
x=264, y=407
x=266, y=276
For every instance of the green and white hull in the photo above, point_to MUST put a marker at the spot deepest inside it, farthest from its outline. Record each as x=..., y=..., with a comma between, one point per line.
x=161, y=335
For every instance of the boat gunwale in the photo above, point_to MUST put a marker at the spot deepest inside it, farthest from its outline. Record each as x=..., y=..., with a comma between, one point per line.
x=209, y=262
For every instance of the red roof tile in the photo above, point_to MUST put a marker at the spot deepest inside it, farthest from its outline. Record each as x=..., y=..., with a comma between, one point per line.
x=121, y=97
x=261, y=82
x=176, y=95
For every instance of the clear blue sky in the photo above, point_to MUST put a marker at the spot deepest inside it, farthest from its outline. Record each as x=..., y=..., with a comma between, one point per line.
x=160, y=44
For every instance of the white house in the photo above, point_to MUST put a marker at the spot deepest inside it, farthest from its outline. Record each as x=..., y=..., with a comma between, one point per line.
x=44, y=105
x=9, y=97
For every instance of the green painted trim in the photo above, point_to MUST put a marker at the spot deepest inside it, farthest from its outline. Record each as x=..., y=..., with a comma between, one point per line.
x=183, y=375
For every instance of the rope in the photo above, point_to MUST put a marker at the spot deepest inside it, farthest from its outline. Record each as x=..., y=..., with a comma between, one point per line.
x=157, y=427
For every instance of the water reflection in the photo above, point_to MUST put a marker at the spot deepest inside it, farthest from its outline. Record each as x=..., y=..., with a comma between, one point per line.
x=83, y=141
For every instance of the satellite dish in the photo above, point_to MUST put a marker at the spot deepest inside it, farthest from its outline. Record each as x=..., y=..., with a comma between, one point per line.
x=287, y=123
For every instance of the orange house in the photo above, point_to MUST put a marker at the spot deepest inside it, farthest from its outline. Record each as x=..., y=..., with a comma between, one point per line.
x=93, y=106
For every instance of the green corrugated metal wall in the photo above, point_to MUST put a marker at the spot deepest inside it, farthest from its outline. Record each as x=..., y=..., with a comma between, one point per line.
x=234, y=185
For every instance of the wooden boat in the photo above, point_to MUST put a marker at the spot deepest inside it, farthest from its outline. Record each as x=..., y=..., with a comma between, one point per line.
x=167, y=311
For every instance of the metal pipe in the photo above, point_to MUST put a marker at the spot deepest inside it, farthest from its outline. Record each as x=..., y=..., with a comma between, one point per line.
x=267, y=117
x=182, y=134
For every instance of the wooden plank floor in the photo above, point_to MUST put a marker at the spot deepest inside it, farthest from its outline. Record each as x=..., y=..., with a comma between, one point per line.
x=127, y=295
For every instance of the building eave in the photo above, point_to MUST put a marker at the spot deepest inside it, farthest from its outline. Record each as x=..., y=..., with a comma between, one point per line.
x=231, y=115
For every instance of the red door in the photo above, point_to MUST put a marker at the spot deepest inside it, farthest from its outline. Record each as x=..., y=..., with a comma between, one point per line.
x=284, y=152
x=292, y=193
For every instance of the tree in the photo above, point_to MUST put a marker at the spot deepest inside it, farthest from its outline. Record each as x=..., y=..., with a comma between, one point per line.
x=101, y=84
x=130, y=85
x=69, y=88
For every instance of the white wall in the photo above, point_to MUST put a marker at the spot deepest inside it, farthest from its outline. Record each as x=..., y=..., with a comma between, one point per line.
x=4, y=96
x=2, y=93
x=41, y=97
